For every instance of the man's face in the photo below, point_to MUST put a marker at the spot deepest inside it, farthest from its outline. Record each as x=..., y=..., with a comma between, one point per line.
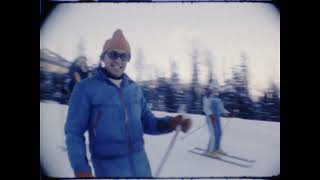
x=115, y=61
x=215, y=92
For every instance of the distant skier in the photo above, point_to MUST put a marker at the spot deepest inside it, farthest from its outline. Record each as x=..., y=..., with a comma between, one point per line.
x=213, y=109
x=78, y=71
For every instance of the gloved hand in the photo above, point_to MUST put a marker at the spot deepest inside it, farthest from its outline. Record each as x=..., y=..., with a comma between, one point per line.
x=179, y=120
x=231, y=114
x=83, y=174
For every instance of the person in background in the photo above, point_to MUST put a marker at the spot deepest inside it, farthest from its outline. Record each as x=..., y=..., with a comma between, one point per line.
x=112, y=108
x=213, y=109
x=78, y=71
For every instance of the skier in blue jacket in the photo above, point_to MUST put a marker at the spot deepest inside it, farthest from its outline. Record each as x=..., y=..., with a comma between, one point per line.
x=114, y=111
x=213, y=109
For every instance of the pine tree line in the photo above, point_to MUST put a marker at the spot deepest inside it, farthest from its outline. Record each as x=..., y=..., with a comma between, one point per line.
x=167, y=94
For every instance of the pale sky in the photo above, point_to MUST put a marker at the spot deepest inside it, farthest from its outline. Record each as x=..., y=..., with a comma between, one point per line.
x=167, y=31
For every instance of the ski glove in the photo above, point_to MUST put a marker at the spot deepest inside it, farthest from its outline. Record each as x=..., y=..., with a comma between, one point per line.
x=179, y=120
x=231, y=114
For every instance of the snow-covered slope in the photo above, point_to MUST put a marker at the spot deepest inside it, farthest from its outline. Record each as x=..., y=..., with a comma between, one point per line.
x=258, y=140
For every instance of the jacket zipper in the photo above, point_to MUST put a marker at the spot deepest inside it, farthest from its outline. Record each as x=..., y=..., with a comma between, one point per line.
x=126, y=130
x=95, y=123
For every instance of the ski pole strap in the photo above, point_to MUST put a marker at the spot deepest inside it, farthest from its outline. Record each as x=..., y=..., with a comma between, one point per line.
x=164, y=159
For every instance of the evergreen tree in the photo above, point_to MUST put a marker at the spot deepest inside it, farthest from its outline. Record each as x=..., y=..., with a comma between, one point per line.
x=162, y=90
x=174, y=96
x=195, y=105
x=139, y=65
x=242, y=102
x=240, y=76
x=270, y=103
x=208, y=62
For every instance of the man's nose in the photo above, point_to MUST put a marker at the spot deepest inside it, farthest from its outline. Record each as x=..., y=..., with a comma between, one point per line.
x=118, y=59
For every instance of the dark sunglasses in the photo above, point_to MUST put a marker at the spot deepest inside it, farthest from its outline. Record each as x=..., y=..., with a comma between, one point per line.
x=114, y=55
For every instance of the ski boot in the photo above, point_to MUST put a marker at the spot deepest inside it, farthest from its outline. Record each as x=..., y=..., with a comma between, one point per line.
x=214, y=154
x=220, y=152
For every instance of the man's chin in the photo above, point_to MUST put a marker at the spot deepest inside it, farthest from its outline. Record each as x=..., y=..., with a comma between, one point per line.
x=117, y=75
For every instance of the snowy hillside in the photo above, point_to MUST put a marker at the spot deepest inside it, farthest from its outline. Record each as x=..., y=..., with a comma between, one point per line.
x=258, y=140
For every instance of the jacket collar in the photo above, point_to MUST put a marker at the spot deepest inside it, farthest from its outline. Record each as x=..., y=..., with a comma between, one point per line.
x=101, y=76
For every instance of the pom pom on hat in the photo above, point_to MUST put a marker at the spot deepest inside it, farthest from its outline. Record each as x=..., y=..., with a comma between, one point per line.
x=118, y=41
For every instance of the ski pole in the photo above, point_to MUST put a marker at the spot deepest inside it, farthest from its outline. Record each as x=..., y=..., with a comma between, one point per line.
x=224, y=127
x=226, y=123
x=182, y=138
x=164, y=159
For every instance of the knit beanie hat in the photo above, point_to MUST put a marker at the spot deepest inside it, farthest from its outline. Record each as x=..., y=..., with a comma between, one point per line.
x=118, y=41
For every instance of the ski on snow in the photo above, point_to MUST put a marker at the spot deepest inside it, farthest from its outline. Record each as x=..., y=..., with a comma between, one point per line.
x=221, y=158
x=231, y=156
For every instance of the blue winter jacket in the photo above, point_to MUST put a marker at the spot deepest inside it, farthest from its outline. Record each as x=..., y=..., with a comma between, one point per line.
x=116, y=119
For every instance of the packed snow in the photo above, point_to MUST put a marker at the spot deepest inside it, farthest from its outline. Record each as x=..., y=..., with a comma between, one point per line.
x=252, y=139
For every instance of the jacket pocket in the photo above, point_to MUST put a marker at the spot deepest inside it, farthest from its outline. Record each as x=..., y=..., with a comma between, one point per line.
x=109, y=125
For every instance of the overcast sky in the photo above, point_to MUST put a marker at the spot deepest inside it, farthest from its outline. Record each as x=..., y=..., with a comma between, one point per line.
x=168, y=32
